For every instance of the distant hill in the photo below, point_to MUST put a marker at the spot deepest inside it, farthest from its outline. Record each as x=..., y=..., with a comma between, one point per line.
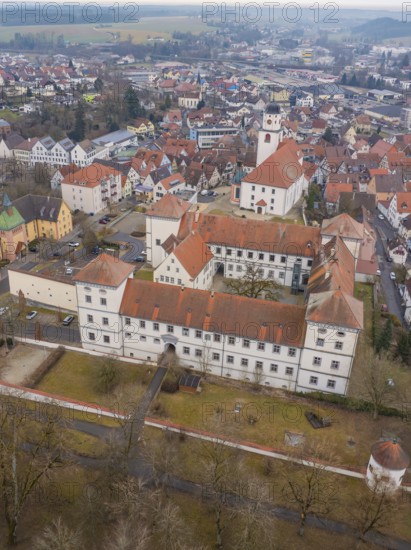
x=384, y=27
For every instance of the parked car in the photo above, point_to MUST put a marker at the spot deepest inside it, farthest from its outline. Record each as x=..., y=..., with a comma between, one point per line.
x=378, y=272
x=139, y=259
x=392, y=276
x=389, y=259
x=123, y=209
x=69, y=271
x=73, y=244
x=212, y=194
x=30, y=315
x=57, y=253
x=103, y=221
x=67, y=320
x=3, y=310
x=33, y=249
x=381, y=217
x=204, y=193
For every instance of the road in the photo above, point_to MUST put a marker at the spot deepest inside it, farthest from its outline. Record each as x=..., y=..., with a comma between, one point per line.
x=387, y=286
x=52, y=332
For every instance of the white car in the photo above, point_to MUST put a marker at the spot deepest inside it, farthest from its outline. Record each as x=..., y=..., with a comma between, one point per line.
x=73, y=244
x=378, y=272
x=3, y=310
x=392, y=276
x=381, y=217
x=30, y=315
x=69, y=271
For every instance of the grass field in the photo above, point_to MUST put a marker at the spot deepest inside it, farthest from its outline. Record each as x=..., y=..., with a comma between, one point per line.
x=140, y=31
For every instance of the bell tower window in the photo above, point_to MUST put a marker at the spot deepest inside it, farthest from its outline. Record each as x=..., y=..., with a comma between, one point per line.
x=267, y=138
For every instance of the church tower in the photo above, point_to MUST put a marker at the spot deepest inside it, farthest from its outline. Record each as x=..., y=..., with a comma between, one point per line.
x=271, y=134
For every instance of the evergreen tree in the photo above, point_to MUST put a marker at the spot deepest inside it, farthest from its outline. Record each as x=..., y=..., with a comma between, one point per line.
x=384, y=339
x=344, y=78
x=403, y=347
x=79, y=130
x=98, y=85
x=167, y=102
x=132, y=103
x=71, y=65
x=405, y=61
x=328, y=135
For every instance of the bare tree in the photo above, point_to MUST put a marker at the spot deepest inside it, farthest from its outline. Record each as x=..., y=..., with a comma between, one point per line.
x=162, y=454
x=376, y=507
x=374, y=383
x=58, y=536
x=308, y=485
x=218, y=466
x=127, y=536
x=254, y=285
x=107, y=375
x=254, y=526
x=28, y=453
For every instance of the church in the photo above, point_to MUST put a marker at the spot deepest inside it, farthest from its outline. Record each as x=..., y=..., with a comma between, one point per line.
x=278, y=182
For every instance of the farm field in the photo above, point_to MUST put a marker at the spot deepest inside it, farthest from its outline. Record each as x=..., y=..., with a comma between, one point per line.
x=140, y=31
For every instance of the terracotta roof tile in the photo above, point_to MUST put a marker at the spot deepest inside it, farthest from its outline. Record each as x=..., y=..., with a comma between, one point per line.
x=104, y=270
x=193, y=254
x=390, y=454
x=221, y=313
x=169, y=206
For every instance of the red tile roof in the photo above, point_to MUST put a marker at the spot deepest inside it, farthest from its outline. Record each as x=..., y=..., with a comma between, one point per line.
x=280, y=169
x=335, y=307
x=169, y=206
x=193, y=254
x=222, y=313
x=104, y=270
x=343, y=225
x=390, y=454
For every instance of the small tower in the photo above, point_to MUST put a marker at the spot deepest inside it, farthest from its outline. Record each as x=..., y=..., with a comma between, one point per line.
x=388, y=463
x=271, y=134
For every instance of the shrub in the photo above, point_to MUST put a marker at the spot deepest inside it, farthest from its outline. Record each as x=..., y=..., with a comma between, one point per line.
x=158, y=409
x=45, y=367
x=9, y=341
x=169, y=386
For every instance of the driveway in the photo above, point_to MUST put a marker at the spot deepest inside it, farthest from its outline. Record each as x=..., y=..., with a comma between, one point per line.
x=136, y=246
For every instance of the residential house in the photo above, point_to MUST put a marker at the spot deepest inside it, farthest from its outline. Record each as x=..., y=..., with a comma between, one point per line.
x=13, y=236
x=44, y=217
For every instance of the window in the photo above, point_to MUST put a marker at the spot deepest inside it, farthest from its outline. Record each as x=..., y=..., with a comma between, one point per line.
x=156, y=340
x=335, y=365
x=156, y=326
x=317, y=361
x=239, y=268
x=281, y=275
x=267, y=138
x=338, y=345
x=276, y=348
x=88, y=299
x=142, y=324
x=239, y=253
x=218, y=250
x=231, y=340
x=291, y=352
x=309, y=263
x=217, y=338
x=253, y=188
x=186, y=332
x=331, y=384
x=261, y=346
x=261, y=256
x=289, y=371
x=229, y=251
x=230, y=359
x=89, y=318
x=320, y=342
x=230, y=267
x=244, y=362
x=105, y=320
x=91, y=336
x=250, y=255
x=143, y=338
x=127, y=321
x=170, y=328
x=259, y=365
x=272, y=257
x=273, y=191
x=274, y=367
x=162, y=278
x=322, y=330
x=283, y=259
x=103, y=301
x=158, y=242
x=179, y=281
x=106, y=339
x=216, y=356
x=198, y=353
x=186, y=350
x=314, y=380
x=246, y=343
x=341, y=334
x=199, y=333
x=270, y=274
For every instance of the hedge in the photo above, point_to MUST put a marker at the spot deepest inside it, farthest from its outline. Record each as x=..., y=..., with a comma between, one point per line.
x=44, y=367
x=351, y=403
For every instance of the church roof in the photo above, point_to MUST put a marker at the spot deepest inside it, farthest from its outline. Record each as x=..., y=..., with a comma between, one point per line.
x=389, y=454
x=272, y=109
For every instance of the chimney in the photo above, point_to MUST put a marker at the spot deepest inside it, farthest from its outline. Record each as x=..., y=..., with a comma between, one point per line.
x=212, y=293
x=197, y=214
x=183, y=287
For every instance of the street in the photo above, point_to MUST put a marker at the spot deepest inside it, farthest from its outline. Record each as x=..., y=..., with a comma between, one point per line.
x=387, y=286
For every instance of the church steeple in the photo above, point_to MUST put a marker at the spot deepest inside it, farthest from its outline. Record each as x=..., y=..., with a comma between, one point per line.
x=271, y=134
